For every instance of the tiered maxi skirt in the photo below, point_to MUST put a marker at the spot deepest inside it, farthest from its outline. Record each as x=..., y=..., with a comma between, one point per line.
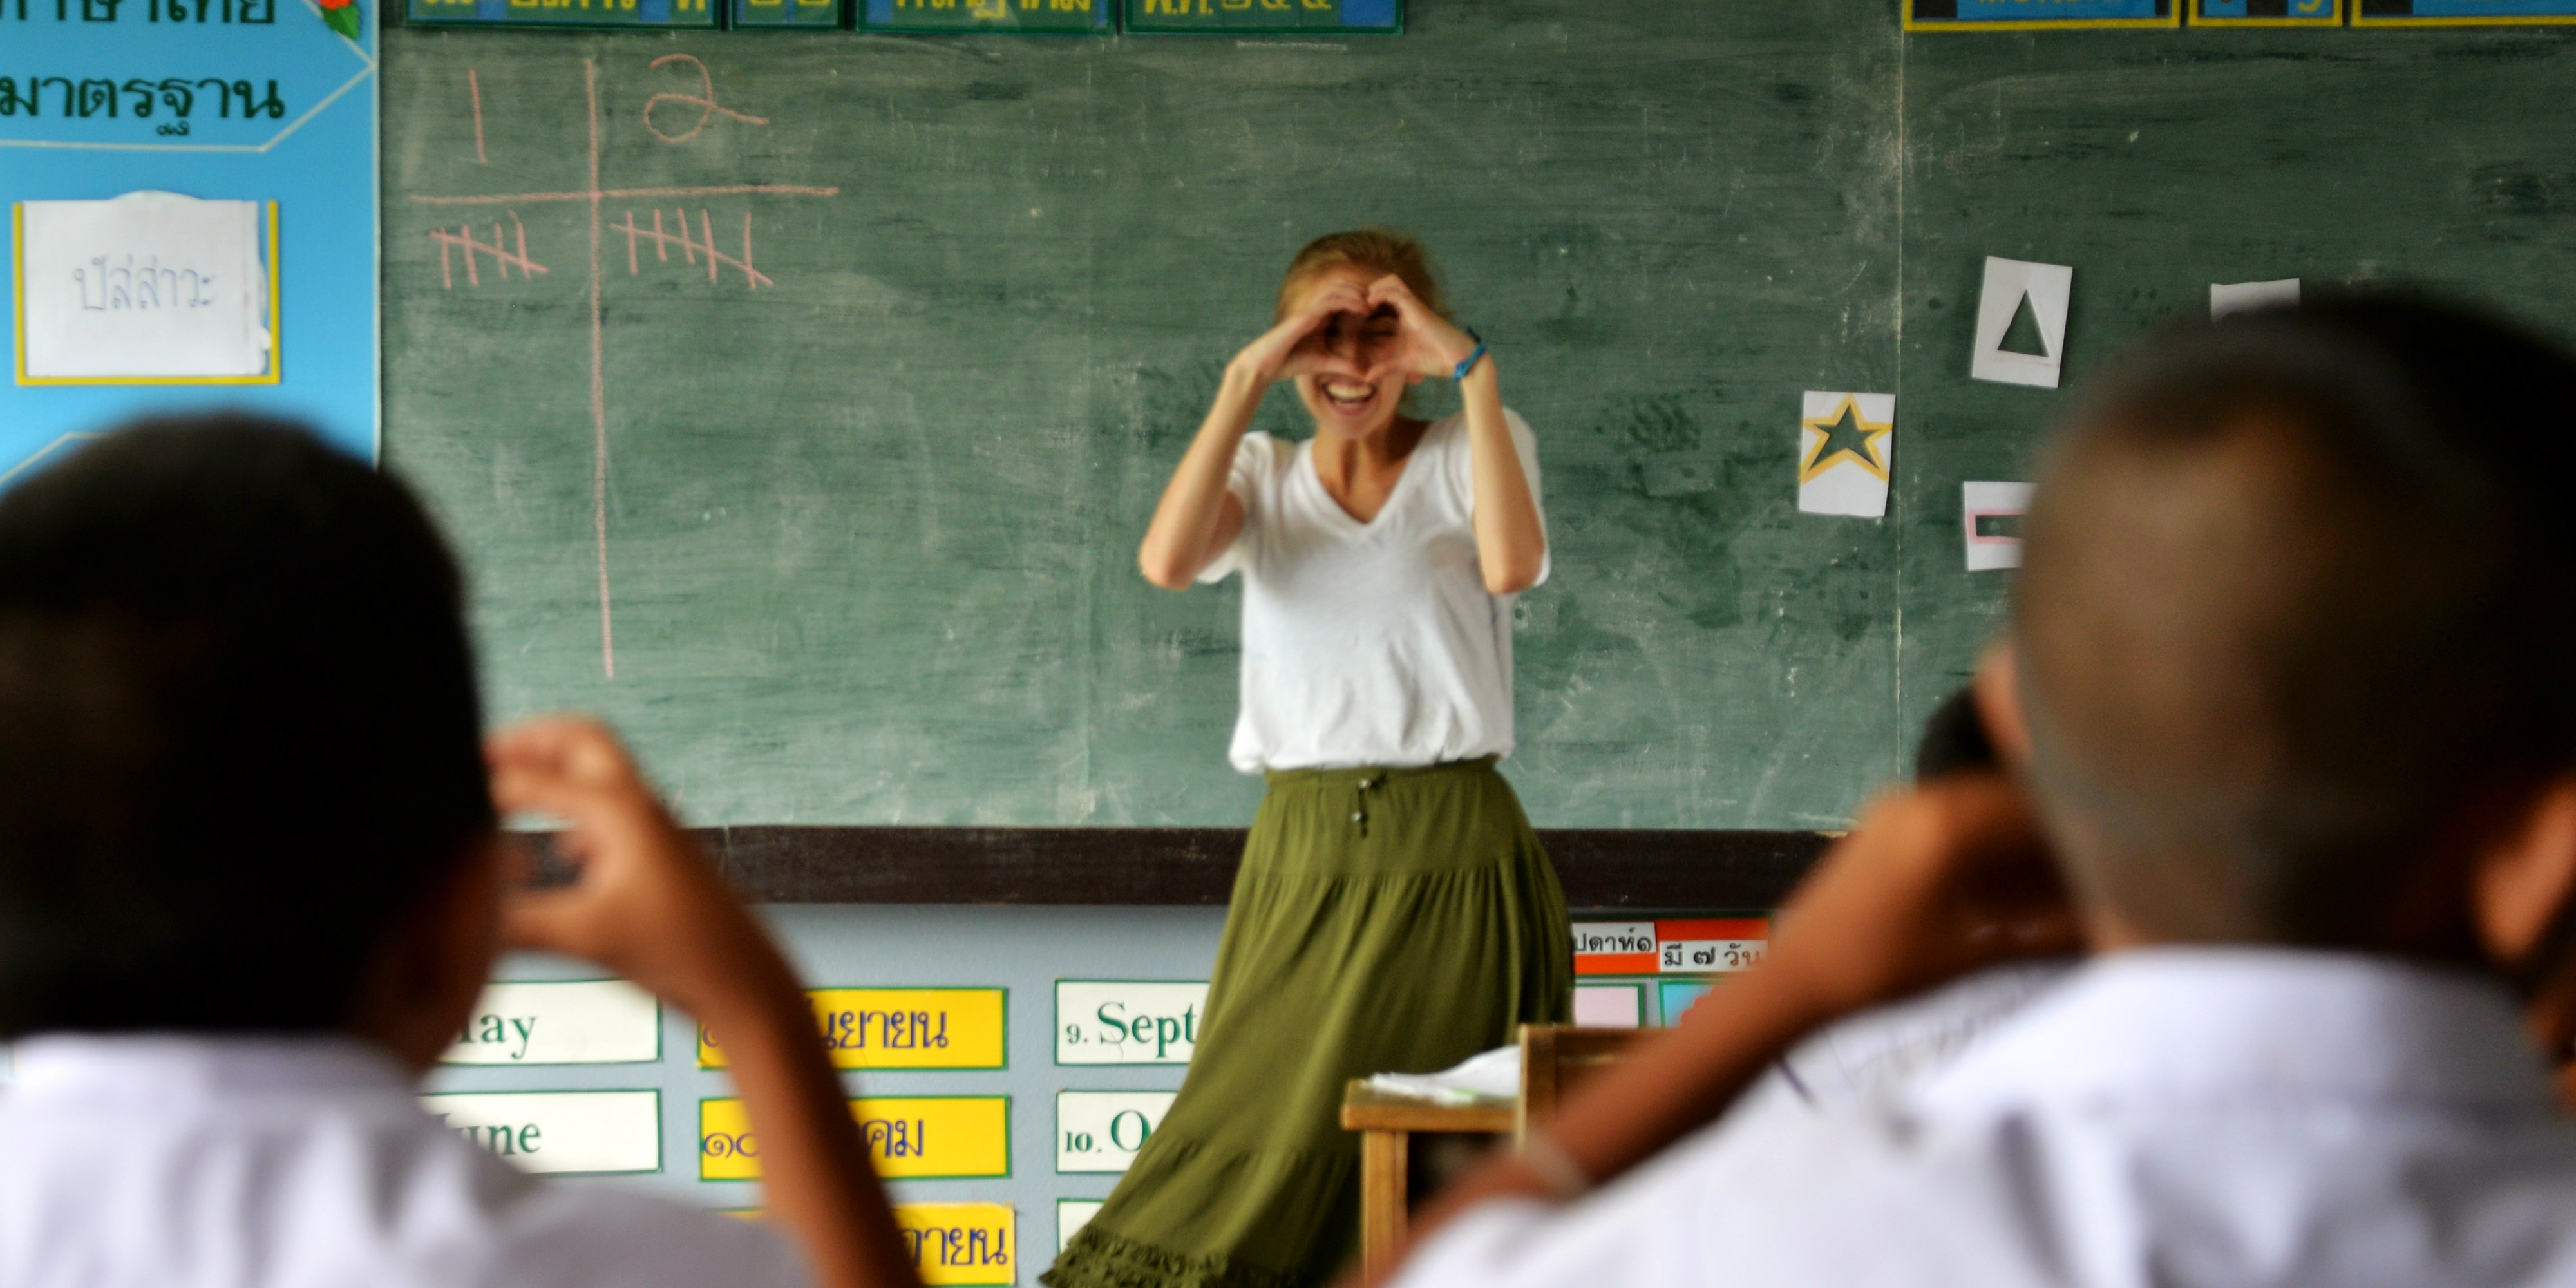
x=1384, y=920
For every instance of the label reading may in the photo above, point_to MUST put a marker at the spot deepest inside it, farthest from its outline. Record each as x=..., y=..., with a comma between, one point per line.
x=907, y=1136
x=559, y=1131
x=900, y=1028
x=1100, y=1131
x=1127, y=1021
x=592, y=1021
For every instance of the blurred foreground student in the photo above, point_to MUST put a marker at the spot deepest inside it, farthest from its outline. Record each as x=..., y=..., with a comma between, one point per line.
x=250, y=886
x=2289, y=708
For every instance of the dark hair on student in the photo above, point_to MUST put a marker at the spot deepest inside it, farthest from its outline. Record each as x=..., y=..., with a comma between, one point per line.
x=2297, y=599
x=1954, y=740
x=241, y=729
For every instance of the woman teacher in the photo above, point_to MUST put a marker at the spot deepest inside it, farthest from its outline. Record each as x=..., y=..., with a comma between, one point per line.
x=1394, y=910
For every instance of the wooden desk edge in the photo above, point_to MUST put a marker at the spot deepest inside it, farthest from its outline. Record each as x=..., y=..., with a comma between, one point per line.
x=1366, y=1110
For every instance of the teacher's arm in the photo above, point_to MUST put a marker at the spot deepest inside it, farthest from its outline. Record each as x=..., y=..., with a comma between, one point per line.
x=1511, y=543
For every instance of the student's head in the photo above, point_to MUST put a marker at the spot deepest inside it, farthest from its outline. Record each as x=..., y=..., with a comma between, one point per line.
x=239, y=736
x=1342, y=395
x=2293, y=627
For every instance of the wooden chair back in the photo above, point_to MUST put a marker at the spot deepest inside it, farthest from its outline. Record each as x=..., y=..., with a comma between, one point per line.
x=1556, y=1058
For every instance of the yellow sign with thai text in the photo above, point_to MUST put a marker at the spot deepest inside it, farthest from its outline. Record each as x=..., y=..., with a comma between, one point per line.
x=902, y=1028
x=927, y=1137
x=961, y=1243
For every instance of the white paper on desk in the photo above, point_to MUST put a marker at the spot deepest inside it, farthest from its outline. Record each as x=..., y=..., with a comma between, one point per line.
x=1990, y=550
x=1495, y=1075
x=1846, y=445
x=2240, y=297
x=2008, y=283
x=150, y=284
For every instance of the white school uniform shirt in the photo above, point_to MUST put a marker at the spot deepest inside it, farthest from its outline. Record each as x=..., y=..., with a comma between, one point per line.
x=170, y=1162
x=1369, y=643
x=2167, y=1118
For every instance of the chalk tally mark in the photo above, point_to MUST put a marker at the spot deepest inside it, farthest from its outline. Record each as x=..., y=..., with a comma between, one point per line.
x=474, y=87
x=691, y=248
x=465, y=244
x=704, y=100
x=503, y=258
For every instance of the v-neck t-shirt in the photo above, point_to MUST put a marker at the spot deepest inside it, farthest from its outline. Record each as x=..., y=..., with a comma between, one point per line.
x=1369, y=644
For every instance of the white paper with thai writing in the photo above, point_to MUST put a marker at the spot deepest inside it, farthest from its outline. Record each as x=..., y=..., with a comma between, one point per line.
x=144, y=286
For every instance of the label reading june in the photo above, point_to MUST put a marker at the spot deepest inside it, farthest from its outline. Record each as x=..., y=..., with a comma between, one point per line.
x=1127, y=1021
x=921, y=1137
x=901, y=1028
x=1100, y=1131
x=592, y=1021
x=1271, y=17
x=960, y=1243
x=558, y=1131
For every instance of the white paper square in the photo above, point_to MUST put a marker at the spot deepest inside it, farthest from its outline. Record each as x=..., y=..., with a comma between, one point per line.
x=2008, y=281
x=2238, y=297
x=147, y=285
x=1843, y=482
x=1980, y=500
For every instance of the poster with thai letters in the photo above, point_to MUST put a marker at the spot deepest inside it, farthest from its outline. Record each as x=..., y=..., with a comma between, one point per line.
x=150, y=287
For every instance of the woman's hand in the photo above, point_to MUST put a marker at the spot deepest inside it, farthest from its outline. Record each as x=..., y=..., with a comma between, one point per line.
x=1296, y=345
x=1425, y=343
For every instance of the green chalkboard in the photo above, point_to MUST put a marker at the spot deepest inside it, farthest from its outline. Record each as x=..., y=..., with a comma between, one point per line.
x=843, y=371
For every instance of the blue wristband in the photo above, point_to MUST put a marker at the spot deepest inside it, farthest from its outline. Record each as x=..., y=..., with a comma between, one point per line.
x=1472, y=359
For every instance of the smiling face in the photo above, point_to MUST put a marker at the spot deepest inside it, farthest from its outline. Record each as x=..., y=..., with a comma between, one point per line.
x=1339, y=393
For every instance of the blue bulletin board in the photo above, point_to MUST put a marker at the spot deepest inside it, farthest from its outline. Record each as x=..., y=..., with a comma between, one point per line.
x=246, y=100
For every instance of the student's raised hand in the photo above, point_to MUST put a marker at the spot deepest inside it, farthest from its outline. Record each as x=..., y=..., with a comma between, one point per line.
x=1934, y=882
x=1425, y=343
x=647, y=904
x=1296, y=345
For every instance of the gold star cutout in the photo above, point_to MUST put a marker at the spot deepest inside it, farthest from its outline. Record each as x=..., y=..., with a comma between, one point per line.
x=1840, y=433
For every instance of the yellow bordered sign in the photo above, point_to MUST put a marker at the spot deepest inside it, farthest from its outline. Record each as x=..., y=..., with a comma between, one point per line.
x=2267, y=13
x=903, y=1028
x=951, y=1243
x=918, y=1137
x=2463, y=13
x=2038, y=15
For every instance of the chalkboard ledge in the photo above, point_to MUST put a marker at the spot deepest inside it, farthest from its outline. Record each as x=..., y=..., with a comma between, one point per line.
x=1194, y=866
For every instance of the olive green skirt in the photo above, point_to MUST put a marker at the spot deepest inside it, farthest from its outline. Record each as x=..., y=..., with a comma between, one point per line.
x=1385, y=920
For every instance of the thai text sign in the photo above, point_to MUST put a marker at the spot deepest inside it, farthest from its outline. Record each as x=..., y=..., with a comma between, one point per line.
x=932, y=1137
x=901, y=1028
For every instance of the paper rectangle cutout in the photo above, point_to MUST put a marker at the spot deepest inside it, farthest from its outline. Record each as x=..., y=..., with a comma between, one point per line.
x=560, y=13
x=1040, y=17
x=917, y=1137
x=785, y=15
x=1990, y=521
x=960, y=1243
x=1100, y=1131
x=2008, y=283
x=1846, y=444
x=150, y=288
x=1609, y=1006
x=593, y=1021
x=1070, y=1216
x=558, y=1131
x=902, y=1028
x=1677, y=996
x=1668, y=946
x=2267, y=13
x=2462, y=13
x=2029, y=15
x=1264, y=17
x=1127, y=1021
x=2240, y=297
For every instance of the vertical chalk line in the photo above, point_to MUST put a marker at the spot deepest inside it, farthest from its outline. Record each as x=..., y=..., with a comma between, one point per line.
x=474, y=85
x=598, y=388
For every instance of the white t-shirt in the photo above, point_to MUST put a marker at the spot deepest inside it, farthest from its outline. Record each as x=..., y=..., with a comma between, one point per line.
x=1369, y=643
x=243, y=1162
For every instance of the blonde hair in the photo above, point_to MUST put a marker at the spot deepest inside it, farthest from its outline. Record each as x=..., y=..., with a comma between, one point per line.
x=1381, y=250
